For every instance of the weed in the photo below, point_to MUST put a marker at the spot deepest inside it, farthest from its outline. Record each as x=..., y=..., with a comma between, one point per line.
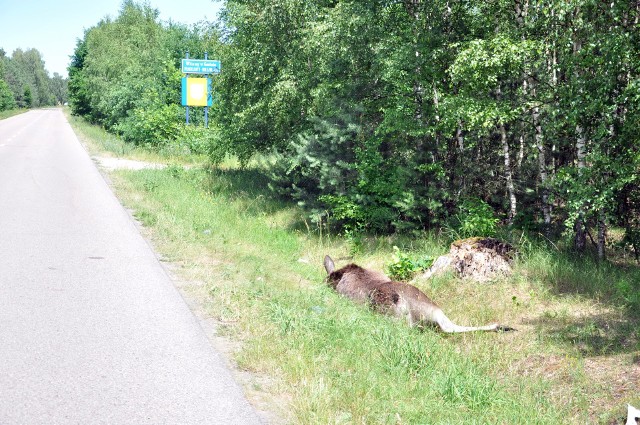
x=474, y=218
x=176, y=171
x=150, y=185
x=404, y=267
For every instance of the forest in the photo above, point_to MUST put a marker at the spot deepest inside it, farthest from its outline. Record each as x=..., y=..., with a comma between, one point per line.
x=25, y=83
x=393, y=116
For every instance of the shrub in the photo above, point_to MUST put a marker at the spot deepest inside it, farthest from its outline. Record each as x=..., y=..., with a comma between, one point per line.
x=201, y=141
x=339, y=170
x=404, y=267
x=474, y=218
x=6, y=97
x=154, y=126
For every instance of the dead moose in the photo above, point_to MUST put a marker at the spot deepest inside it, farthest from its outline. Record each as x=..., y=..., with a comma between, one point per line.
x=394, y=298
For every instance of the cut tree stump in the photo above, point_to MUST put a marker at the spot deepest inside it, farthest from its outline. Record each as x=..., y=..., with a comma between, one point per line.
x=479, y=259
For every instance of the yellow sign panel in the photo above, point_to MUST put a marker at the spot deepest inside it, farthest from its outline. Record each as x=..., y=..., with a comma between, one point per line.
x=195, y=92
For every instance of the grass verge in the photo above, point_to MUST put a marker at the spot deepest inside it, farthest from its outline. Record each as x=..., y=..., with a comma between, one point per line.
x=101, y=143
x=575, y=358
x=11, y=112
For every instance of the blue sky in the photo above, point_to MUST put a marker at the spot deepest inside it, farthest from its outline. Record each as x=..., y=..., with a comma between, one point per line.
x=53, y=26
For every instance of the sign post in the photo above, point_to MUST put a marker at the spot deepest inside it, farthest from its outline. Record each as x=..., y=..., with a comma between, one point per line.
x=206, y=108
x=197, y=91
x=184, y=83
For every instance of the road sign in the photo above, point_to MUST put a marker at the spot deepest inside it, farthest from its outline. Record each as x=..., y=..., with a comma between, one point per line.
x=200, y=66
x=196, y=92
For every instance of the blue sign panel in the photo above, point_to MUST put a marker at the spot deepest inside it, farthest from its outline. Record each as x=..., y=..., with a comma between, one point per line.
x=200, y=66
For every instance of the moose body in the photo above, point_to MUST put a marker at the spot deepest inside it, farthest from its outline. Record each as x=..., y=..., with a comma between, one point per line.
x=394, y=298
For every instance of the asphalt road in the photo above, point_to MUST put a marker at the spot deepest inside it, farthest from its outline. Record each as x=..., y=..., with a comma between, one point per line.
x=92, y=330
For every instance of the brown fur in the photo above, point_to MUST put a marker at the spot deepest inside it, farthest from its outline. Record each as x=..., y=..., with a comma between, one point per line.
x=394, y=298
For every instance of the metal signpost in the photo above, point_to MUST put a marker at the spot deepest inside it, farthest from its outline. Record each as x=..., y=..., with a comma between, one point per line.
x=197, y=91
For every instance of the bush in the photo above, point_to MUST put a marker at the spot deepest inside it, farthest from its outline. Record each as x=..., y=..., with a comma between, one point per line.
x=155, y=126
x=6, y=97
x=404, y=267
x=320, y=163
x=201, y=141
x=474, y=218
x=340, y=171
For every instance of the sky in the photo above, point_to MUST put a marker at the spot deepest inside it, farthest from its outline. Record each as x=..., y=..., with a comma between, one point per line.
x=53, y=26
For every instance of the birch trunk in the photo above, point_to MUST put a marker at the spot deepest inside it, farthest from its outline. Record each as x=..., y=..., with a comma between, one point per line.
x=460, y=137
x=508, y=174
x=602, y=235
x=542, y=168
x=580, y=237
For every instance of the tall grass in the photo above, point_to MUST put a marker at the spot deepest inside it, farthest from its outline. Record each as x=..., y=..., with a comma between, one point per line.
x=338, y=362
x=11, y=112
x=100, y=142
x=330, y=361
x=97, y=140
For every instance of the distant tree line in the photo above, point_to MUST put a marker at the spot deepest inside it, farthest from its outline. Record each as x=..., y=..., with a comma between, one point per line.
x=400, y=115
x=25, y=83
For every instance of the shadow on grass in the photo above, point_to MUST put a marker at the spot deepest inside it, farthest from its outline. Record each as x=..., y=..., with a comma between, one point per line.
x=249, y=185
x=564, y=274
x=613, y=329
x=592, y=335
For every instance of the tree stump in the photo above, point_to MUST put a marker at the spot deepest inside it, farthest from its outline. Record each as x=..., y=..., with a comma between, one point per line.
x=479, y=259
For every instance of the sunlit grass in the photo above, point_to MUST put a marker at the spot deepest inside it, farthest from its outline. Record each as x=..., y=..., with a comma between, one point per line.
x=330, y=361
x=12, y=112
x=100, y=142
x=336, y=361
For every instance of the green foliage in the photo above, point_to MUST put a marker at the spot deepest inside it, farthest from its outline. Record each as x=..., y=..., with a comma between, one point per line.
x=262, y=97
x=200, y=141
x=120, y=76
x=79, y=93
x=59, y=89
x=403, y=267
x=318, y=172
x=155, y=126
x=387, y=116
x=474, y=218
x=336, y=171
x=448, y=100
x=27, y=97
x=125, y=76
x=27, y=78
x=6, y=97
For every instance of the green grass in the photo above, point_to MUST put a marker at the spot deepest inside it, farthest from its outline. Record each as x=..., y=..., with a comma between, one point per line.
x=323, y=359
x=338, y=362
x=100, y=142
x=11, y=112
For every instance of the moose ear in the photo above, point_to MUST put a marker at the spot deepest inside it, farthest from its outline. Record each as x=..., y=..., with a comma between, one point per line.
x=328, y=264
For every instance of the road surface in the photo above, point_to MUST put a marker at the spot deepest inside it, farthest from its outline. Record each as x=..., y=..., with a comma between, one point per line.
x=92, y=330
